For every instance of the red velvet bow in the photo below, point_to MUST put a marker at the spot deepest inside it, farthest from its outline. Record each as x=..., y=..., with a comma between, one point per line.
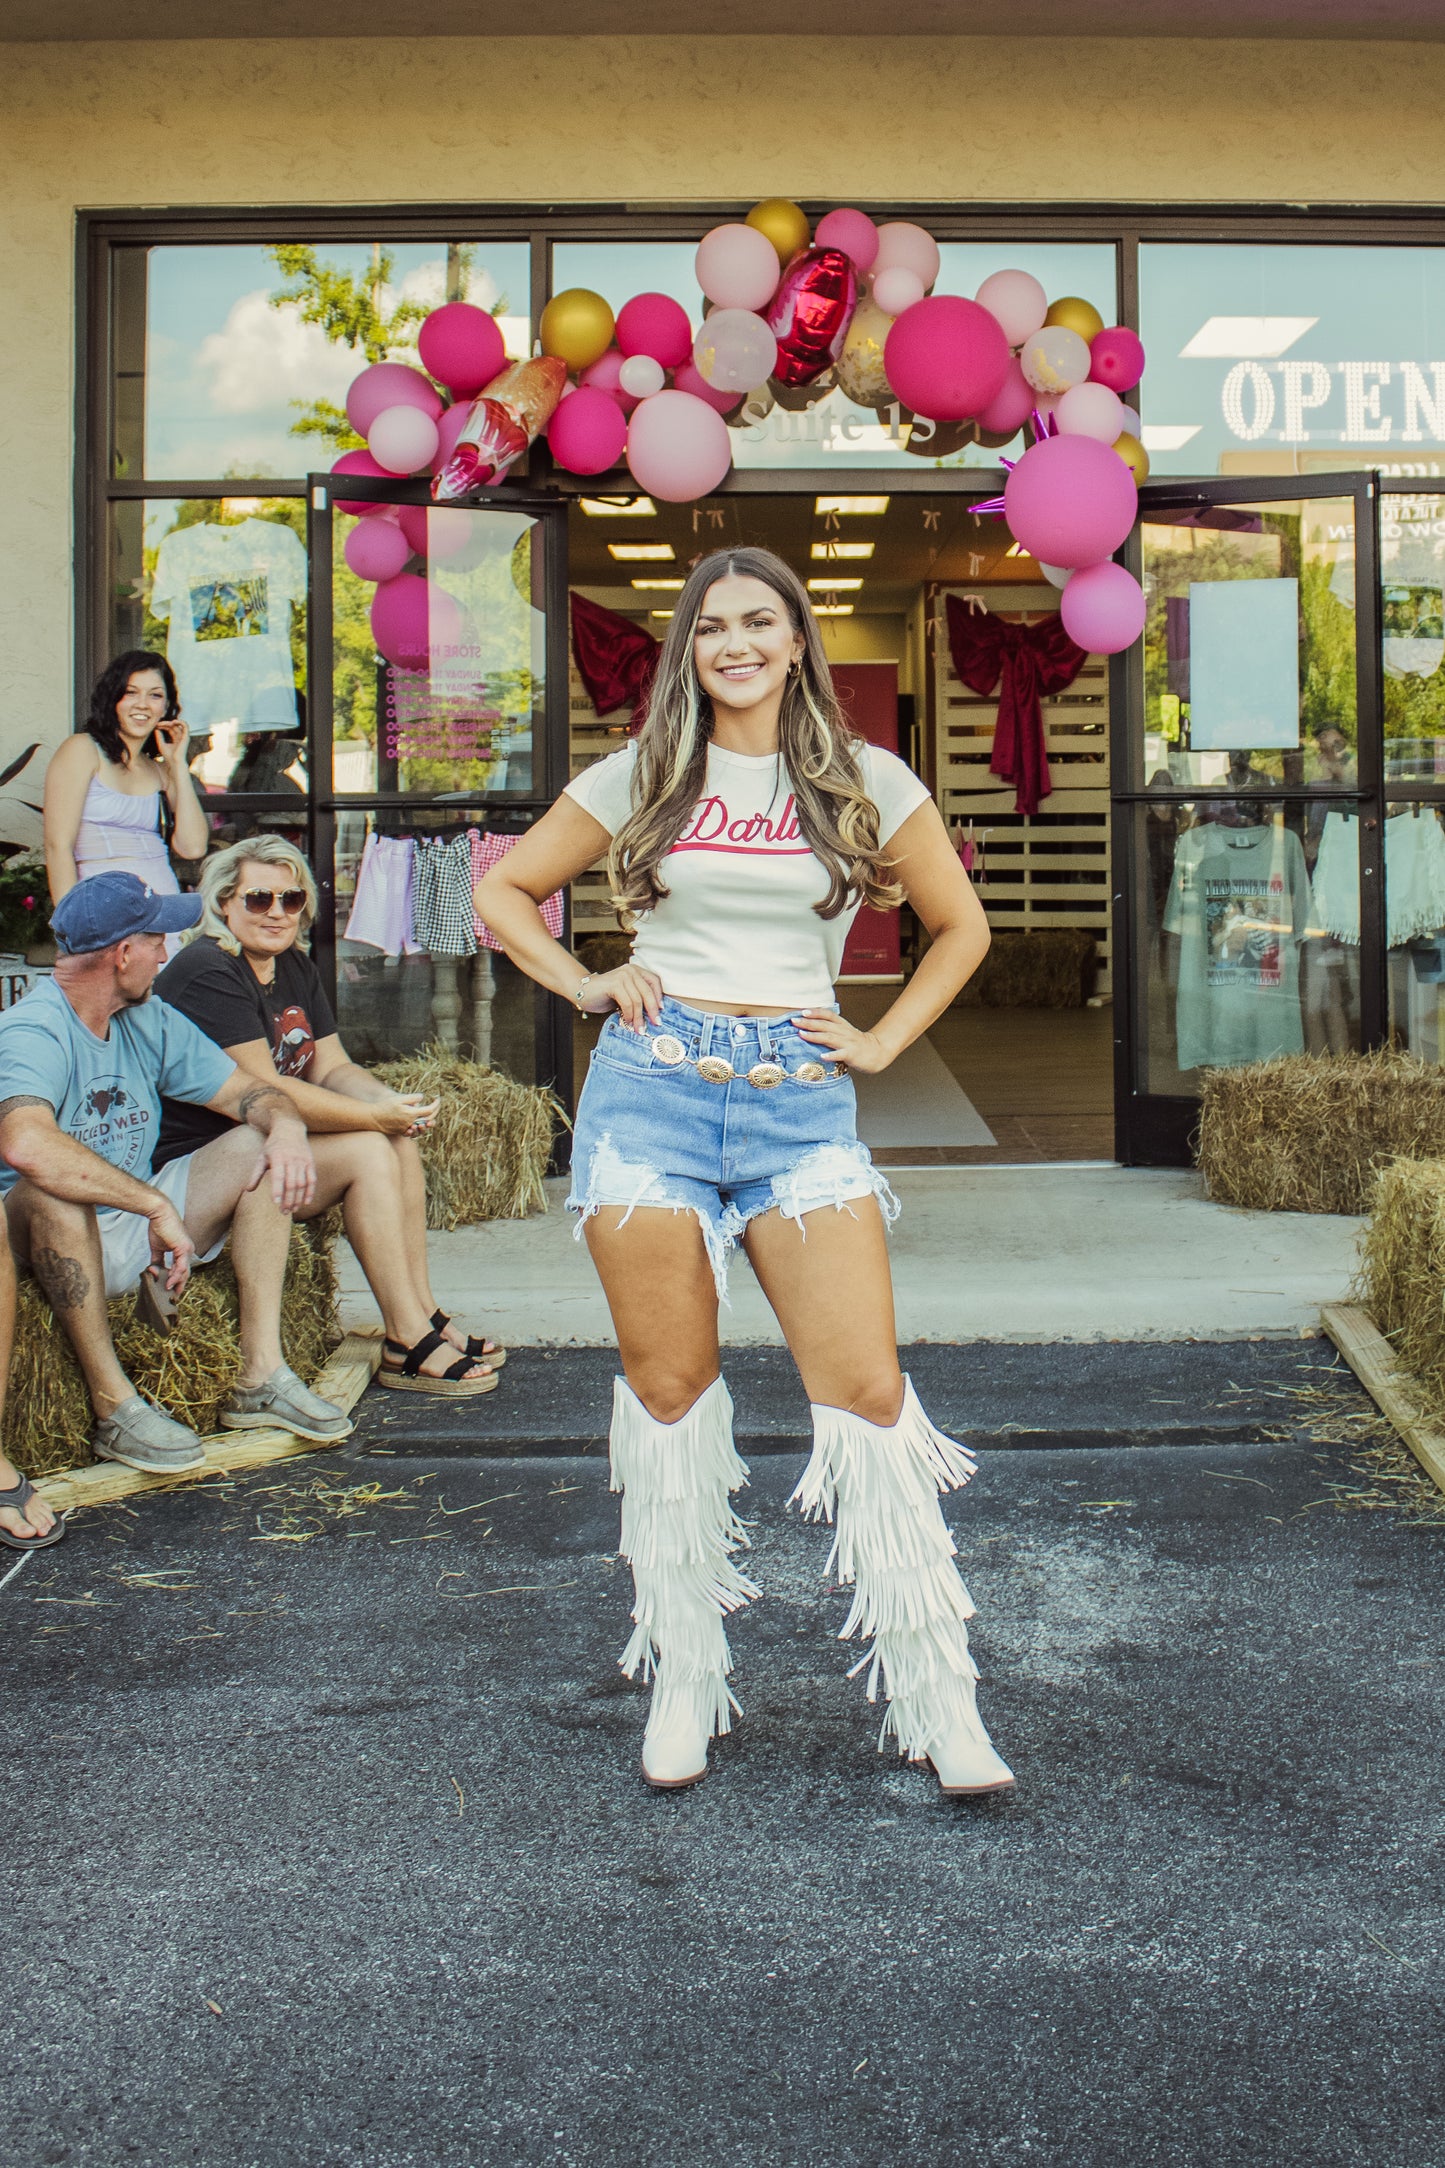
x=615, y=658
x=1025, y=662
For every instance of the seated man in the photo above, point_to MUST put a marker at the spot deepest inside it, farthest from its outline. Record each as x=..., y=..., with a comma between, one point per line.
x=84, y=1059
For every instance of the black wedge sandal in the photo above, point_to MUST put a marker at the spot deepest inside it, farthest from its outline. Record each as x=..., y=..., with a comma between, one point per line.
x=477, y=1351
x=401, y=1370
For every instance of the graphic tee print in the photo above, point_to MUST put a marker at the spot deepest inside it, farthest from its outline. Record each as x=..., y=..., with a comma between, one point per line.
x=231, y=609
x=1240, y=903
x=227, y=594
x=293, y=1044
x=223, y=997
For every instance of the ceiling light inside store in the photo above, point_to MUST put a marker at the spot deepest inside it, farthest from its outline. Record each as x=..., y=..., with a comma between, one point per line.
x=642, y=553
x=662, y=613
x=834, y=587
x=1246, y=338
x=823, y=552
x=1169, y=436
x=619, y=507
x=832, y=609
x=674, y=585
x=1016, y=549
x=852, y=507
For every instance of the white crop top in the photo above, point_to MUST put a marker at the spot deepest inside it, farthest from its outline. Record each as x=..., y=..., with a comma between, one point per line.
x=738, y=923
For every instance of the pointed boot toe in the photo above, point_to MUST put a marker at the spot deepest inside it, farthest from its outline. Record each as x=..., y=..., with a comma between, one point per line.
x=965, y=1764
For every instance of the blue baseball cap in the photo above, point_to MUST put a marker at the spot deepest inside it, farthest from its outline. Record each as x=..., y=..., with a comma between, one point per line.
x=111, y=907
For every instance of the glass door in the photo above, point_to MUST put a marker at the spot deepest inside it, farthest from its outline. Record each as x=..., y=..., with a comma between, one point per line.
x=1247, y=780
x=438, y=733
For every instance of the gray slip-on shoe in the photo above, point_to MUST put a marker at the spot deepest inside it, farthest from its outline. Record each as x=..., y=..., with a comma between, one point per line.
x=140, y=1436
x=284, y=1403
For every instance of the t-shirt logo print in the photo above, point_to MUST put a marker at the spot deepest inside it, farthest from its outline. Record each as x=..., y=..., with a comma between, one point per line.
x=230, y=609
x=110, y=1120
x=293, y=1045
x=766, y=835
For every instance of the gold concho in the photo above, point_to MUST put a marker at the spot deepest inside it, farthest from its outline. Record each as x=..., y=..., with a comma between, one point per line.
x=715, y=1069
x=809, y=1072
x=765, y=1074
x=669, y=1051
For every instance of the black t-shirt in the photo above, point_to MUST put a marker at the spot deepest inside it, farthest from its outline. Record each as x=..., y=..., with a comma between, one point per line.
x=222, y=994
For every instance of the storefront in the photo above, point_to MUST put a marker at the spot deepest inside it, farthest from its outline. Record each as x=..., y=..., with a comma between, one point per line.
x=1245, y=815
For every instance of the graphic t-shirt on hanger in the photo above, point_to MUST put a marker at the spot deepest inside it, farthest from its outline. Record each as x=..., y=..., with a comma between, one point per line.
x=226, y=594
x=1240, y=903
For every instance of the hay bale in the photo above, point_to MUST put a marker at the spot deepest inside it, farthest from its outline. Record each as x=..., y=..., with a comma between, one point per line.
x=1053, y=967
x=1402, y=1273
x=486, y=1154
x=188, y=1371
x=1310, y=1132
x=601, y=952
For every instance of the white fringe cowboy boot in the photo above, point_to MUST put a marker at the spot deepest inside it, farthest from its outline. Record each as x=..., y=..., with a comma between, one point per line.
x=678, y=1534
x=893, y=1545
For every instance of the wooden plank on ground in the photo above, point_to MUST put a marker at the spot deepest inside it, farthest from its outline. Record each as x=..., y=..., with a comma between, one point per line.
x=343, y=1381
x=1371, y=1357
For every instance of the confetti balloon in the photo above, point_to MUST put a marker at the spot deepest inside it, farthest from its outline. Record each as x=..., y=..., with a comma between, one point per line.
x=734, y=350
x=810, y=313
x=862, y=374
x=1055, y=359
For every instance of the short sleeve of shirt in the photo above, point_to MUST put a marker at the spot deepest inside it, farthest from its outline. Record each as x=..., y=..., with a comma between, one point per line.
x=164, y=585
x=207, y=987
x=894, y=789
x=605, y=789
x=192, y=1068
x=32, y=1060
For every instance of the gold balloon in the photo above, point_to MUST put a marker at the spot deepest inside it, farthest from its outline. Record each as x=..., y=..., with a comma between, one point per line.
x=861, y=373
x=1134, y=456
x=783, y=223
x=1076, y=315
x=577, y=327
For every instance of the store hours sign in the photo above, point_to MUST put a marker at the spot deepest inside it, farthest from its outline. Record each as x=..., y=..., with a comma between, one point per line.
x=1342, y=402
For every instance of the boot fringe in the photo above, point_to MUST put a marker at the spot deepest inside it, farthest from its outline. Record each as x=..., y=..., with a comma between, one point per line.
x=919, y=1459
x=690, y=1459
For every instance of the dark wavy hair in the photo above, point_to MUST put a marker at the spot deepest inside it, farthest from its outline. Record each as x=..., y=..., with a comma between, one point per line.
x=110, y=686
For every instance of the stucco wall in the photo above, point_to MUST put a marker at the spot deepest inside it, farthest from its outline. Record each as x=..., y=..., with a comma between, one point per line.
x=617, y=119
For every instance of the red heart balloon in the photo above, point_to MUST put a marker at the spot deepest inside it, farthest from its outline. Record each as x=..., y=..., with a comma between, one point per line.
x=810, y=313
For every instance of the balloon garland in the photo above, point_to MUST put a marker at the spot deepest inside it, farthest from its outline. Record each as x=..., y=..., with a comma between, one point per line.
x=791, y=313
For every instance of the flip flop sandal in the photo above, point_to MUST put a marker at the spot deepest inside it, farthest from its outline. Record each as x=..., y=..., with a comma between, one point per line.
x=15, y=1500
x=453, y=1383
x=477, y=1351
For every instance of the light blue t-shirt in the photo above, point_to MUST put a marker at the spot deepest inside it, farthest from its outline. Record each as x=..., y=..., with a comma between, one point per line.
x=106, y=1092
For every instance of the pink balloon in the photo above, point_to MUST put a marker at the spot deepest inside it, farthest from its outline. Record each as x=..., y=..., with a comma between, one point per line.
x=403, y=439
x=1103, y=609
x=377, y=549
x=1070, y=501
x=605, y=375
x=1116, y=358
x=449, y=428
x=907, y=248
x=655, y=324
x=691, y=379
x=1092, y=410
x=1018, y=301
x=399, y=621
x=388, y=384
x=678, y=447
x=360, y=463
x=737, y=267
x=587, y=432
x=412, y=521
x=852, y=231
x=897, y=289
x=462, y=346
x=946, y=358
x=436, y=531
x=1011, y=407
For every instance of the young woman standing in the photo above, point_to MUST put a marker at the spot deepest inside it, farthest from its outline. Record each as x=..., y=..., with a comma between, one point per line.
x=104, y=785
x=743, y=829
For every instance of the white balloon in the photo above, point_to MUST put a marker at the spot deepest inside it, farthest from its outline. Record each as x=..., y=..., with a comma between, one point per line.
x=1057, y=575
x=1092, y=410
x=403, y=439
x=897, y=288
x=734, y=350
x=641, y=377
x=1055, y=359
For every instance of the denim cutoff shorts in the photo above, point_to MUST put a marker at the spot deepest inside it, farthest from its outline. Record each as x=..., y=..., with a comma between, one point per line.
x=652, y=1131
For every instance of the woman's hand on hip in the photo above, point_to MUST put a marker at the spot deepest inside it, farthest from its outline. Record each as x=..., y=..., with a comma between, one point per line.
x=635, y=994
x=833, y=1034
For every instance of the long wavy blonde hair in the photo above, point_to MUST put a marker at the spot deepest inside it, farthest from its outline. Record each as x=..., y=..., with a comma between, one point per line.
x=819, y=750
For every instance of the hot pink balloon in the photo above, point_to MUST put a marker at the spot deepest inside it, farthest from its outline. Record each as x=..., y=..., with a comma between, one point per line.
x=655, y=324
x=852, y=231
x=587, y=432
x=946, y=358
x=412, y=521
x=1010, y=407
x=691, y=379
x=1070, y=501
x=897, y=289
x=1116, y=358
x=462, y=346
x=436, y=532
x=403, y=439
x=605, y=374
x=399, y=621
x=388, y=384
x=363, y=464
x=908, y=248
x=1092, y=410
x=1018, y=301
x=377, y=549
x=737, y=267
x=678, y=447
x=1103, y=609
x=449, y=428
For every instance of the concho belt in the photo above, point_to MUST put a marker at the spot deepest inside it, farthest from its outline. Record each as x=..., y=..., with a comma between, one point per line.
x=763, y=1075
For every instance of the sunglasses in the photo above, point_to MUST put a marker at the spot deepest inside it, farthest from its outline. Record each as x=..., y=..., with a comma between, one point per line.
x=258, y=901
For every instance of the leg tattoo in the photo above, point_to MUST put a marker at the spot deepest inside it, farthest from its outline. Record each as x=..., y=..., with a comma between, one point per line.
x=63, y=1279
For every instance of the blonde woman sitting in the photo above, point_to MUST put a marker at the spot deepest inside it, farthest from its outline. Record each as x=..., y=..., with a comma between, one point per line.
x=248, y=983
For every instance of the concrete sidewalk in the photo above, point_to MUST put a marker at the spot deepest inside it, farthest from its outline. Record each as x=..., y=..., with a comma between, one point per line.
x=980, y=1253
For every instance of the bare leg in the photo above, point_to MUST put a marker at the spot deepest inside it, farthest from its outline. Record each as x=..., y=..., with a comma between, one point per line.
x=60, y=1243
x=37, y=1519
x=413, y=1228
x=660, y=1290
x=830, y=1289
x=218, y=1195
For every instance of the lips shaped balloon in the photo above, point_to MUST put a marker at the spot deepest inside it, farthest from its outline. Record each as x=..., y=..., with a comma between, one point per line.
x=810, y=313
x=514, y=408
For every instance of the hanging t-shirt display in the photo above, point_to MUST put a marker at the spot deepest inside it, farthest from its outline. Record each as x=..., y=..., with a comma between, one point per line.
x=1240, y=904
x=226, y=595
x=1414, y=877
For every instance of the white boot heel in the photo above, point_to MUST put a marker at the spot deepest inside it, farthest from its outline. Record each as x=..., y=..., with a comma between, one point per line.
x=679, y=1728
x=881, y=1483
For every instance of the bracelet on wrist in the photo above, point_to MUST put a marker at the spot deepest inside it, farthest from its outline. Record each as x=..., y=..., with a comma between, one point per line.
x=581, y=992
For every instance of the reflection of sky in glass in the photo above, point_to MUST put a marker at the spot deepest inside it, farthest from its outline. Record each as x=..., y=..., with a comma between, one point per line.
x=223, y=366
x=1277, y=393
x=834, y=433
